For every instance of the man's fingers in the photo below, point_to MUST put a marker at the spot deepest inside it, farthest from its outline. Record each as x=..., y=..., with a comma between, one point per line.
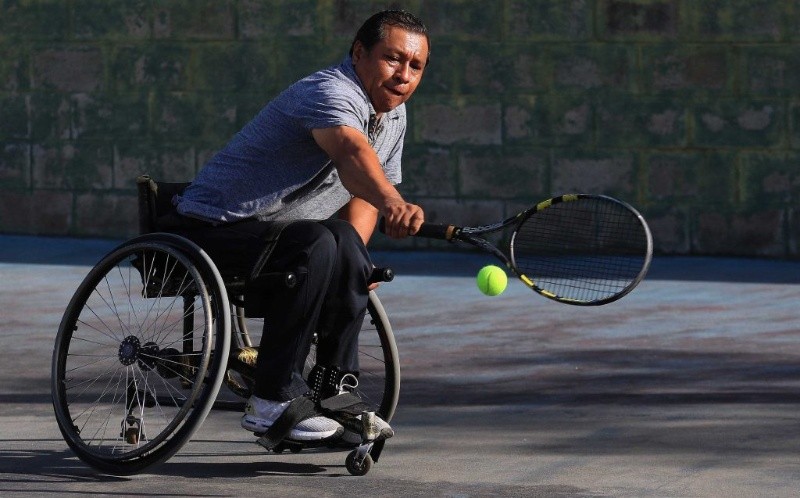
x=404, y=220
x=416, y=222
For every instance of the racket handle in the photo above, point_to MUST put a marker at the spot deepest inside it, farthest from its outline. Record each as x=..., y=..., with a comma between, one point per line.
x=436, y=231
x=427, y=230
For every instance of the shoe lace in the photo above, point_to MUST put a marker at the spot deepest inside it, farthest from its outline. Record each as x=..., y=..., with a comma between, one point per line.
x=348, y=382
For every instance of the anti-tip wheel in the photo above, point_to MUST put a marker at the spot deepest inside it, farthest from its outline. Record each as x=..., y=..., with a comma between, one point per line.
x=354, y=468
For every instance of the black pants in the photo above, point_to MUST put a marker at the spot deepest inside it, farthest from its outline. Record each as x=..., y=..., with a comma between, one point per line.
x=330, y=298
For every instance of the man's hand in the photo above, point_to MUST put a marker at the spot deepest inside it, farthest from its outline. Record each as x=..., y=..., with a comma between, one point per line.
x=402, y=218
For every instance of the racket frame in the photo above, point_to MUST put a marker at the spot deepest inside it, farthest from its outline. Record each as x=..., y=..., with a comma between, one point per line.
x=474, y=237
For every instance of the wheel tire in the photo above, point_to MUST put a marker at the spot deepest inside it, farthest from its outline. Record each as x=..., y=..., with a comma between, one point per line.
x=114, y=407
x=356, y=469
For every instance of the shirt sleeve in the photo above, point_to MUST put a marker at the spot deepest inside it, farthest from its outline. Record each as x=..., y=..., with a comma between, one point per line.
x=322, y=104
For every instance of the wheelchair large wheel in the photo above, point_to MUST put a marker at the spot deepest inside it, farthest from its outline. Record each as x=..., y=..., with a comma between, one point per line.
x=379, y=379
x=140, y=354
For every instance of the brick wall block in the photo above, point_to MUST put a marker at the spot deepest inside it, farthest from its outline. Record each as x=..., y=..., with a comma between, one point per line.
x=14, y=110
x=195, y=19
x=14, y=67
x=770, y=179
x=101, y=116
x=260, y=20
x=41, y=20
x=41, y=212
x=104, y=19
x=464, y=212
x=670, y=230
x=458, y=19
x=694, y=178
x=550, y=120
x=68, y=69
x=609, y=173
x=50, y=116
x=593, y=66
x=770, y=71
x=494, y=175
x=638, y=19
x=549, y=20
x=15, y=166
x=760, y=233
x=688, y=68
x=72, y=165
x=173, y=115
x=15, y=212
x=162, y=66
x=486, y=68
x=739, y=123
x=286, y=63
x=736, y=20
x=478, y=124
x=794, y=125
x=625, y=121
x=233, y=67
x=428, y=171
x=51, y=212
x=111, y=215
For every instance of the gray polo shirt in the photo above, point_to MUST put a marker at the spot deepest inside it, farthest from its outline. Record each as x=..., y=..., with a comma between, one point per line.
x=274, y=170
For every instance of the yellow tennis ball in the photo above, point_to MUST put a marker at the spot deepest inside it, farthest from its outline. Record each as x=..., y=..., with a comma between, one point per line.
x=492, y=280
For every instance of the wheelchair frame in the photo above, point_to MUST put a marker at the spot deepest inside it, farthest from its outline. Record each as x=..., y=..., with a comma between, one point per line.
x=153, y=332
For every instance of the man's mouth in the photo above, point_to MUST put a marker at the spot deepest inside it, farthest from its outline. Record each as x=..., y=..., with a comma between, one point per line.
x=395, y=92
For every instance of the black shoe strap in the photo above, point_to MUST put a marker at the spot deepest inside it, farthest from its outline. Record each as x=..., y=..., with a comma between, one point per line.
x=301, y=408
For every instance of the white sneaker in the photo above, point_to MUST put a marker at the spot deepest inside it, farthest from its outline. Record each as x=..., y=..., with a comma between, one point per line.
x=260, y=414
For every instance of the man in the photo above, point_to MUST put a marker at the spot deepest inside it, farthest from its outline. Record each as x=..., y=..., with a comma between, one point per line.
x=329, y=145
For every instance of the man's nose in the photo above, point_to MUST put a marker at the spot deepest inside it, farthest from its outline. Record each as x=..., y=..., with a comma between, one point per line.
x=403, y=73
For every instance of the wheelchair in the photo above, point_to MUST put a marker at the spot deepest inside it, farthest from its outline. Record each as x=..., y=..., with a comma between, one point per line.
x=154, y=331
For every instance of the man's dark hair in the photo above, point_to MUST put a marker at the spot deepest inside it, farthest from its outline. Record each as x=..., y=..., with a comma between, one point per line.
x=374, y=29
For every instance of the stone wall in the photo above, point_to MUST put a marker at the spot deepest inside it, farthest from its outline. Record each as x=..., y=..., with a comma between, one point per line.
x=688, y=109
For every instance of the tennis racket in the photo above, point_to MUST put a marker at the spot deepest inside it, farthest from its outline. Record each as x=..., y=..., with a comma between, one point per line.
x=576, y=249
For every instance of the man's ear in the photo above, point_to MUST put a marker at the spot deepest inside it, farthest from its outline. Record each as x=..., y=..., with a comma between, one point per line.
x=358, y=51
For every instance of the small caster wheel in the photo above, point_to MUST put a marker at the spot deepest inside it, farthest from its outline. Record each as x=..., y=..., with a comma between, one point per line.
x=354, y=468
x=295, y=449
x=132, y=435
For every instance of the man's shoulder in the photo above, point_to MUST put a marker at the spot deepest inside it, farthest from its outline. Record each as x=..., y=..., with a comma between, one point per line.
x=333, y=80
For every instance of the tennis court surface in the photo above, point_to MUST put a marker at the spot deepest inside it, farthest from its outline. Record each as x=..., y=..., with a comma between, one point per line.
x=689, y=386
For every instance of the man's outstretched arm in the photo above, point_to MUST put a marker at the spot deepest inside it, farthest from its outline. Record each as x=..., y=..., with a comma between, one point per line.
x=362, y=175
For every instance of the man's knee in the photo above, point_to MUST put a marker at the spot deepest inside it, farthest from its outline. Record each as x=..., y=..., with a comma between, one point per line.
x=343, y=232
x=348, y=243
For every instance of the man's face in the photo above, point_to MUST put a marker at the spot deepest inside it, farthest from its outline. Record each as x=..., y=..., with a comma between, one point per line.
x=391, y=71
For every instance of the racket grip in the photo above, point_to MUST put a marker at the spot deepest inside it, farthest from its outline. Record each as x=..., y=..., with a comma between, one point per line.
x=435, y=231
x=427, y=230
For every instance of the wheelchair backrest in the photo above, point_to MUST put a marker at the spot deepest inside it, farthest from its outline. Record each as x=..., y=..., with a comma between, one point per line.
x=155, y=201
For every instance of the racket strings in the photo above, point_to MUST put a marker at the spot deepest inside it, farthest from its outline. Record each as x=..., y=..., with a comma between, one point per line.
x=585, y=250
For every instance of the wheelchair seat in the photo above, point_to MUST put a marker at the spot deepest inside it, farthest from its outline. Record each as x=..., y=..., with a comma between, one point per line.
x=157, y=214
